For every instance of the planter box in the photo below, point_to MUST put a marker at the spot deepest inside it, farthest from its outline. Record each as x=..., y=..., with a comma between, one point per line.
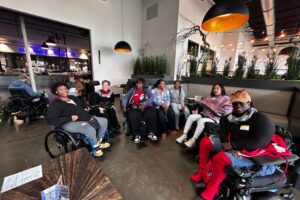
x=246, y=83
x=149, y=76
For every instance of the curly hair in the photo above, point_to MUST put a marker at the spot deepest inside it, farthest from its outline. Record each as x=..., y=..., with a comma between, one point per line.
x=56, y=85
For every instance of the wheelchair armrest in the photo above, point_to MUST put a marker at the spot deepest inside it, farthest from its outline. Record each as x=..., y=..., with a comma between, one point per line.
x=266, y=160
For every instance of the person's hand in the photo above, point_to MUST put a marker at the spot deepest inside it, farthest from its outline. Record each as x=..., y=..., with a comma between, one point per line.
x=101, y=110
x=235, y=153
x=226, y=146
x=74, y=117
x=165, y=107
x=142, y=106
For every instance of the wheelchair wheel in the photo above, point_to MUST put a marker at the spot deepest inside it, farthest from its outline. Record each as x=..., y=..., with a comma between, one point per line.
x=126, y=128
x=27, y=120
x=10, y=121
x=59, y=142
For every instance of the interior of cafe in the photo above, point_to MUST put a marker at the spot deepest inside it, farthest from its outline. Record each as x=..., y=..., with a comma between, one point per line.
x=150, y=99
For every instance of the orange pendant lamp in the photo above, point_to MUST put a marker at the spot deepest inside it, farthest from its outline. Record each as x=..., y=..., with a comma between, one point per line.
x=225, y=15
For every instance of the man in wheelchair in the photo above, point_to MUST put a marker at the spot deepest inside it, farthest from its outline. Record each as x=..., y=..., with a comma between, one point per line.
x=138, y=105
x=244, y=135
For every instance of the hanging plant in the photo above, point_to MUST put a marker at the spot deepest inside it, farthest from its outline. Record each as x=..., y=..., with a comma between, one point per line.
x=251, y=69
x=240, y=70
x=271, y=66
x=226, y=67
x=293, y=63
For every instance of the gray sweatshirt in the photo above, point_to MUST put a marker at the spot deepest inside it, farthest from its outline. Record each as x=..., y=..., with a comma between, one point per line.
x=175, y=97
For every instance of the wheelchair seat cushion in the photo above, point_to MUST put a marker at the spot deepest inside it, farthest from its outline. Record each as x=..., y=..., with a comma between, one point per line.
x=267, y=160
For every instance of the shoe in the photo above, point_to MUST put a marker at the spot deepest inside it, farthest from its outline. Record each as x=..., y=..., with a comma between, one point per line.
x=152, y=136
x=137, y=139
x=174, y=132
x=182, y=138
x=164, y=136
x=190, y=143
x=104, y=145
x=98, y=152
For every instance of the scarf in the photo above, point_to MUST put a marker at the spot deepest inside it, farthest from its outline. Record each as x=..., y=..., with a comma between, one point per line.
x=242, y=118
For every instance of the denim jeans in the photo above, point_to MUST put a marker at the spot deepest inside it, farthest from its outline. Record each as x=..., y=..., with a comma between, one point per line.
x=242, y=161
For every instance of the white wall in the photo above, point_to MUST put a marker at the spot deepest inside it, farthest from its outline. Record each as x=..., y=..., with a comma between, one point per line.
x=158, y=32
x=104, y=21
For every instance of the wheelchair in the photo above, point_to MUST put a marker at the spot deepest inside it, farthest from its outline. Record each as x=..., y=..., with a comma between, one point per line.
x=245, y=184
x=24, y=107
x=59, y=142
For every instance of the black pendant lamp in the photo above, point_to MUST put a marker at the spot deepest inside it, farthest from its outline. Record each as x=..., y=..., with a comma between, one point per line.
x=44, y=46
x=122, y=46
x=225, y=15
x=50, y=41
x=289, y=50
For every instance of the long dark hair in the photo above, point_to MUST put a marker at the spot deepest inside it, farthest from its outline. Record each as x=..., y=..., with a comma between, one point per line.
x=223, y=92
x=155, y=85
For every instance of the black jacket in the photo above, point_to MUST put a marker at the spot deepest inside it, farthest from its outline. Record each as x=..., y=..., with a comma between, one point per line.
x=252, y=134
x=60, y=112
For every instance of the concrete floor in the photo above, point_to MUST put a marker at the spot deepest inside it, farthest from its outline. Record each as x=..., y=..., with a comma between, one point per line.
x=158, y=171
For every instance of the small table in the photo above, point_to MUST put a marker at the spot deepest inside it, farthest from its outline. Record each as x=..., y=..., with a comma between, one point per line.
x=79, y=171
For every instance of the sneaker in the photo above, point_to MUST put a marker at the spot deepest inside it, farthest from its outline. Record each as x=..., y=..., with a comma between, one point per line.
x=152, y=136
x=164, y=136
x=181, y=139
x=190, y=143
x=104, y=145
x=137, y=139
x=98, y=152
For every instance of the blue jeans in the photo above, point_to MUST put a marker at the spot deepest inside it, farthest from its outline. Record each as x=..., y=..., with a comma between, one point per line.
x=242, y=161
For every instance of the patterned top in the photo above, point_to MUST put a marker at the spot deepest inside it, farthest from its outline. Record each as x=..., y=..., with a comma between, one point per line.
x=162, y=98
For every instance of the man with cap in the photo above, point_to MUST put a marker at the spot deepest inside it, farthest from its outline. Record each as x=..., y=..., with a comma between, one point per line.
x=245, y=130
x=139, y=100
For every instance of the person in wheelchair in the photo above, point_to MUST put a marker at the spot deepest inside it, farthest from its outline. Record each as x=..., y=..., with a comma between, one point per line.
x=165, y=113
x=67, y=112
x=177, y=95
x=243, y=134
x=105, y=99
x=214, y=107
x=138, y=103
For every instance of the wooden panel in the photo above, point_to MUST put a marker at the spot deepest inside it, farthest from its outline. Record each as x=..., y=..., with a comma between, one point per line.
x=79, y=171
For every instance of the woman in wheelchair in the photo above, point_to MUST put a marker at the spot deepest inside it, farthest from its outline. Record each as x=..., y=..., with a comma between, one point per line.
x=243, y=134
x=105, y=100
x=138, y=103
x=67, y=112
x=214, y=107
x=165, y=113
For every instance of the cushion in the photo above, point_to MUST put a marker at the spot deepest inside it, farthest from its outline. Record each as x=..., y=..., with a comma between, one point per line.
x=280, y=120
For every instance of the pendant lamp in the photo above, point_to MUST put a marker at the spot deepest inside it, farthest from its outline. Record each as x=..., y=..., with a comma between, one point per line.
x=44, y=46
x=122, y=46
x=225, y=15
x=50, y=41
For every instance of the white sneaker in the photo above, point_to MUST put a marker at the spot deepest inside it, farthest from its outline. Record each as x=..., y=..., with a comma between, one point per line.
x=190, y=143
x=137, y=139
x=152, y=136
x=182, y=138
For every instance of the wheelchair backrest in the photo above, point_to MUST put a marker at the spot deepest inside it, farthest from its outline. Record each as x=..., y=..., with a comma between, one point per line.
x=286, y=136
x=19, y=93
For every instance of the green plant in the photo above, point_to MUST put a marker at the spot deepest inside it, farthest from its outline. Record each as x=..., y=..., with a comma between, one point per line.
x=193, y=66
x=214, y=67
x=271, y=66
x=240, y=70
x=293, y=63
x=204, y=67
x=164, y=64
x=251, y=69
x=227, y=67
x=137, y=66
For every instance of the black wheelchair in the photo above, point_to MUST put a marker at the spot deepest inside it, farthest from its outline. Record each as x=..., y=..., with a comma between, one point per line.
x=59, y=142
x=245, y=184
x=24, y=107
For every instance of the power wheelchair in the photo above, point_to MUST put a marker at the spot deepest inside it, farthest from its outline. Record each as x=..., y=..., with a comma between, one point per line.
x=59, y=142
x=245, y=184
x=24, y=107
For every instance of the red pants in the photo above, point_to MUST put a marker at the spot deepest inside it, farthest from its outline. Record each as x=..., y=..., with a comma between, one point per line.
x=218, y=162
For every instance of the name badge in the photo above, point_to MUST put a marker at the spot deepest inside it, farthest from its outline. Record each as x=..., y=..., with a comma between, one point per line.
x=245, y=127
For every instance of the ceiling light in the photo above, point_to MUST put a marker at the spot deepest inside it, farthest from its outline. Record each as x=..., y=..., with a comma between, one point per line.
x=225, y=15
x=252, y=41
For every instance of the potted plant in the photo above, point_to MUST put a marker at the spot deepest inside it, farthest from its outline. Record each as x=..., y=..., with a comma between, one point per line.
x=137, y=66
x=251, y=74
x=293, y=63
x=227, y=67
x=271, y=66
x=214, y=67
x=240, y=70
x=204, y=66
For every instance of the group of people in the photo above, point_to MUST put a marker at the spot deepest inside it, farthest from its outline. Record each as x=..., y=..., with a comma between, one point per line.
x=244, y=132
